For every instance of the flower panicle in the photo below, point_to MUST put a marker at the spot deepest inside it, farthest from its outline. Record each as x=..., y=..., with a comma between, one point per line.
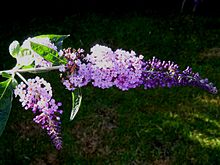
x=37, y=95
x=105, y=68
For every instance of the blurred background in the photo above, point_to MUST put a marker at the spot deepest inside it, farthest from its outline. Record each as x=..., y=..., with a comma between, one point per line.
x=19, y=9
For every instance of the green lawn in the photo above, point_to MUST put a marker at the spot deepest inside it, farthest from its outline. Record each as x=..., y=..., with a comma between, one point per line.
x=174, y=126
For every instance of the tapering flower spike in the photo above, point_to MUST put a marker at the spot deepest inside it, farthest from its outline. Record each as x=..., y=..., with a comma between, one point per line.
x=37, y=96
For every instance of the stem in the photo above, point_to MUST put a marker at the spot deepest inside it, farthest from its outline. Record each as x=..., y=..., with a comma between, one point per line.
x=21, y=77
x=30, y=70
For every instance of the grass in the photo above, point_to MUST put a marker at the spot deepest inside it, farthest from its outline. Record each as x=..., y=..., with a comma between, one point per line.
x=158, y=126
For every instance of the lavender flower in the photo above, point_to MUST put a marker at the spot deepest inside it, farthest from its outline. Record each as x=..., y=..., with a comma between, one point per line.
x=37, y=95
x=128, y=67
x=103, y=68
x=106, y=68
x=118, y=68
x=157, y=73
x=75, y=73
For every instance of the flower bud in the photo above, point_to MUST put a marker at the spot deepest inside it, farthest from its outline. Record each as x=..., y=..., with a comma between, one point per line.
x=14, y=48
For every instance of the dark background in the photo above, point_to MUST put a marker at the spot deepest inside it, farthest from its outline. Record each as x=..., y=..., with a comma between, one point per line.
x=19, y=10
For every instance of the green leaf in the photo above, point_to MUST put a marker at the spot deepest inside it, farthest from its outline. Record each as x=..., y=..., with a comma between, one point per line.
x=28, y=66
x=14, y=83
x=14, y=48
x=6, y=91
x=54, y=38
x=48, y=53
x=4, y=86
x=6, y=75
x=76, y=102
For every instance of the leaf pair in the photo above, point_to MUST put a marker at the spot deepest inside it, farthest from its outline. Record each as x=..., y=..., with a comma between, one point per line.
x=24, y=54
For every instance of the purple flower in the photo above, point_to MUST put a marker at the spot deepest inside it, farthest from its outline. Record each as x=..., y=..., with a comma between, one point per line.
x=106, y=68
x=37, y=95
x=118, y=68
x=75, y=73
x=62, y=68
x=157, y=73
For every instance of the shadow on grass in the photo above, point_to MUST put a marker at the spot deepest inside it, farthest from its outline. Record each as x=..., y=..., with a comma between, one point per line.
x=148, y=127
x=134, y=127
